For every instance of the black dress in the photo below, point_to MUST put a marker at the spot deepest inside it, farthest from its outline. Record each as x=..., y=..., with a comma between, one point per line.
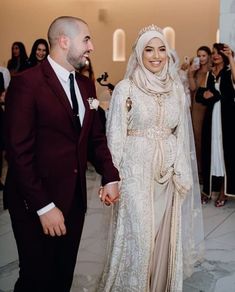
x=226, y=95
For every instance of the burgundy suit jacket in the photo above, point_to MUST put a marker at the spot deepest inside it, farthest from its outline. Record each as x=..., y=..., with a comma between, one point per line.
x=46, y=155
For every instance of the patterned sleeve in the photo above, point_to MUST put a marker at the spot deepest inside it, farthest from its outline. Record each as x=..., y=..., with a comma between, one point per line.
x=182, y=170
x=117, y=122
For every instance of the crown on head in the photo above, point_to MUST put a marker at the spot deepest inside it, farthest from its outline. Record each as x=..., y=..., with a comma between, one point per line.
x=149, y=28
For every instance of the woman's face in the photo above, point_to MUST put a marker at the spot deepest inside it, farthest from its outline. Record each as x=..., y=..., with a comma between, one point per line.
x=154, y=55
x=216, y=58
x=16, y=51
x=203, y=56
x=41, y=52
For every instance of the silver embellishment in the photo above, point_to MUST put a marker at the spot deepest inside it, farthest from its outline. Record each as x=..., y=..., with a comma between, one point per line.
x=128, y=103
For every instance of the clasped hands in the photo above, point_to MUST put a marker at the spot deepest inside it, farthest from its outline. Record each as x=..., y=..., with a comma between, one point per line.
x=109, y=194
x=53, y=222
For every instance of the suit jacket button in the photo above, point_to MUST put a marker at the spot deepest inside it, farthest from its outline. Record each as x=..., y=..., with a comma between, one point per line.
x=75, y=170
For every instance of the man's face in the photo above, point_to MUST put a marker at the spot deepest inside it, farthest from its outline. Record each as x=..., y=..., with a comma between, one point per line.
x=80, y=47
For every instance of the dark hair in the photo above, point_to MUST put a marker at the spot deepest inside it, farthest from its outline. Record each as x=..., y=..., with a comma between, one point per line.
x=15, y=63
x=219, y=47
x=32, y=58
x=2, y=87
x=88, y=68
x=206, y=49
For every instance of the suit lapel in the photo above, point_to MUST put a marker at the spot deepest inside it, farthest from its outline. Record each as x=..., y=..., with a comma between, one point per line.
x=57, y=88
x=59, y=92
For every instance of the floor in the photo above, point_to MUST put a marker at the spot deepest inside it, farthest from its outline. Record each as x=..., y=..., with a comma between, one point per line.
x=215, y=274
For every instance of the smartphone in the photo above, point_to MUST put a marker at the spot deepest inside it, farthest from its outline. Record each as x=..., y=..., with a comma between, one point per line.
x=196, y=61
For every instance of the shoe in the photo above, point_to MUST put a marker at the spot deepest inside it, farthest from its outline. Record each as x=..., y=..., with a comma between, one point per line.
x=220, y=203
x=205, y=199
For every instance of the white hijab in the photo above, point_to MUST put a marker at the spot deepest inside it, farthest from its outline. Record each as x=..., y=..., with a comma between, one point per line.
x=163, y=83
x=146, y=81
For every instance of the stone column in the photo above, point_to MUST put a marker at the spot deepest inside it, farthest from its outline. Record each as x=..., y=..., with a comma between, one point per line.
x=227, y=22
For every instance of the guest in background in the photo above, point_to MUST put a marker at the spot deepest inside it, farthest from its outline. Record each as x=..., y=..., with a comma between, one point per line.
x=218, y=97
x=18, y=58
x=39, y=52
x=183, y=74
x=2, y=136
x=87, y=70
x=197, y=77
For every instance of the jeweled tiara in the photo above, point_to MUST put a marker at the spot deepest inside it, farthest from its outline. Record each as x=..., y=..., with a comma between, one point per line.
x=150, y=27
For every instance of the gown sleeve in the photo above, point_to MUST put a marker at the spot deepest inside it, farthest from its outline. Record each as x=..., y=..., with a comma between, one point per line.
x=117, y=122
x=182, y=171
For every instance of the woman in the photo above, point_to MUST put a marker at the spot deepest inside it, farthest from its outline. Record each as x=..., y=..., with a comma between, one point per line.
x=218, y=148
x=147, y=132
x=39, y=52
x=196, y=78
x=18, y=58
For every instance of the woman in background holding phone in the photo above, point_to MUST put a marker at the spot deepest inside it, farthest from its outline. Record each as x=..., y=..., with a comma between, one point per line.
x=218, y=96
x=197, y=72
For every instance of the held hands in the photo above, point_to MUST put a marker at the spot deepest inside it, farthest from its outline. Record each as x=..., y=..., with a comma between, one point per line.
x=53, y=222
x=109, y=194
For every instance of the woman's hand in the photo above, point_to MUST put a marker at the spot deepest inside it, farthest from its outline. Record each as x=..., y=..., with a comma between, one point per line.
x=109, y=194
x=227, y=51
x=208, y=94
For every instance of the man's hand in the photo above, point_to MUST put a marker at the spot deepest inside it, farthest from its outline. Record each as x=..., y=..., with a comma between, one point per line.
x=109, y=194
x=53, y=222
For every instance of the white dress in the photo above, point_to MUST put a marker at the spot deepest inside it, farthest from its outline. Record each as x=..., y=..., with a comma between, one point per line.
x=148, y=148
x=143, y=249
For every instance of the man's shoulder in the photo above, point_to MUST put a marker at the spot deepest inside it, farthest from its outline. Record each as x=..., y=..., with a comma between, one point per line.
x=32, y=75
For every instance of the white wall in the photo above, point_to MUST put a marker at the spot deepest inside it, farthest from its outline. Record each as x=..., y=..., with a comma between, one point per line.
x=227, y=22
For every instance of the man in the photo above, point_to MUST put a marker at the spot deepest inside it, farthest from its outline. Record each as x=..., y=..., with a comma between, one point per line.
x=47, y=147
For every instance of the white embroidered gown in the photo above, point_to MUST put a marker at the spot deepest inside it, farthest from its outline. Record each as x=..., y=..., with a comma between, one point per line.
x=147, y=145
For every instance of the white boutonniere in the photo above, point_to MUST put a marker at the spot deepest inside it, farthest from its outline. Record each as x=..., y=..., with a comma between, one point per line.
x=93, y=103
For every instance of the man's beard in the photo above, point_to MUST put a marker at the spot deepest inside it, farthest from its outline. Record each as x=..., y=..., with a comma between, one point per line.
x=80, y=65
x=75, y=61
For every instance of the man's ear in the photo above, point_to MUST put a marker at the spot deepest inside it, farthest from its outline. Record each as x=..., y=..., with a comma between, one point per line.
x=64, y=42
